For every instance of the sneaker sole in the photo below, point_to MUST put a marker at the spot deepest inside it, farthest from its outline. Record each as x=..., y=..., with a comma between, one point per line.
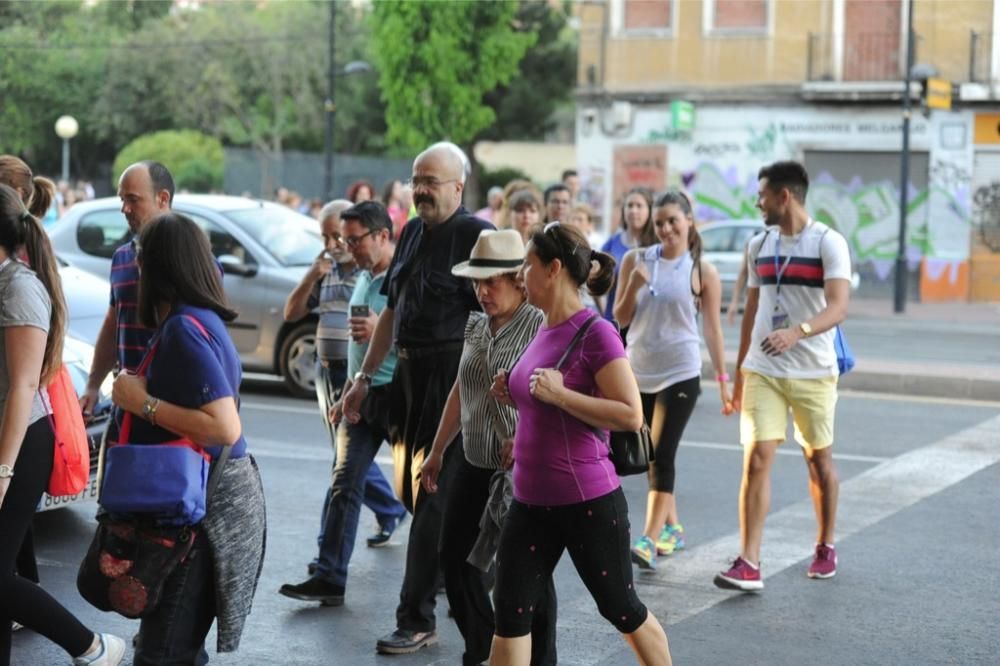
x=821, y=576
x=389, y=649
x=740, y=585
x=379, y=544
x=330, y=600
x=642, y=562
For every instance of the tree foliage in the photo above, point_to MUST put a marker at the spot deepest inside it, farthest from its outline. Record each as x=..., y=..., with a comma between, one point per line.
x=436, y=60
x=546, y=77
x=195, y=159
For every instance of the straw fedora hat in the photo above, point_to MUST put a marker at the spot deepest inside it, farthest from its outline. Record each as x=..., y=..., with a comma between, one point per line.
x=495, y=253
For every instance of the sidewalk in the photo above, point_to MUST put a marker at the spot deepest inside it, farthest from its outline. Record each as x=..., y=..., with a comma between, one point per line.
x=946, y=350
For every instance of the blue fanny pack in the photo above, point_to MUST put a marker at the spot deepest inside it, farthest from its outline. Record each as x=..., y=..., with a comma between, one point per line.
x=845, y=357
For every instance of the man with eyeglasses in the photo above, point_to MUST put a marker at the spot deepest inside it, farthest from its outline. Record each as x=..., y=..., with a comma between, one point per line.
x=557, y=203
x=327, y=287
x=424, y=319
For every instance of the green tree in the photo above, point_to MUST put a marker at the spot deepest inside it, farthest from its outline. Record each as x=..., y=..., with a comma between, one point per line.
x=546, y=76
x=436, y=60
x=48, y=70
x=195, y=160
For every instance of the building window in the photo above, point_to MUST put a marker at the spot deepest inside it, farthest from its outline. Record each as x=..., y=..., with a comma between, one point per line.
x=648, y=15
x=740, y=16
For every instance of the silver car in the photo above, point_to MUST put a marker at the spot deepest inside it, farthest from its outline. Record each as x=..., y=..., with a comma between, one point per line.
x=264, y=249
x=723, y=244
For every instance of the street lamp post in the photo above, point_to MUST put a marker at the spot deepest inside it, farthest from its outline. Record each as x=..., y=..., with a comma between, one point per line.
x=329, y=104
x=66, y=129
x=899, y=291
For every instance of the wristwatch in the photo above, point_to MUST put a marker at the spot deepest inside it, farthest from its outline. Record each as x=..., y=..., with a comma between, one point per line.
x=806, y=329
x=362, y=377
x=6, y=471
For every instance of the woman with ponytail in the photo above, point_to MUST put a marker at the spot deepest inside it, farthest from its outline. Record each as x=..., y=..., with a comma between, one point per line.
x=32, y=325
x=36, y=192
x=663, y=288
x=567, y=495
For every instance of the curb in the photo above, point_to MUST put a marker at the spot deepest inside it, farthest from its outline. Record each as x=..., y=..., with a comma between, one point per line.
x=933, y=382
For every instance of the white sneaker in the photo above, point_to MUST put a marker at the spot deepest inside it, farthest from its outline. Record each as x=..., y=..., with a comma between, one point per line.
x=110, y=653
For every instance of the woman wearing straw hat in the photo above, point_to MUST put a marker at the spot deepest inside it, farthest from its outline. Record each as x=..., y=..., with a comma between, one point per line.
x=494, y=339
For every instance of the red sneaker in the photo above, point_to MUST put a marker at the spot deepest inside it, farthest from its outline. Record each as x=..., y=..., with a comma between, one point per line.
x=824, y=564
x=741, y=576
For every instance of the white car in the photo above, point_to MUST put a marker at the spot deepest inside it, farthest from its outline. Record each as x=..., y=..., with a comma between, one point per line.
x=265, y=249
x=723, y=244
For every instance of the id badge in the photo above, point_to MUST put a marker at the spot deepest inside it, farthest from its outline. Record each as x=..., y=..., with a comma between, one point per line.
x=779, y=320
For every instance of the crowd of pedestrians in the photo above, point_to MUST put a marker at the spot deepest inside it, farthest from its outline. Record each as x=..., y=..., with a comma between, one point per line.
x=493, y=352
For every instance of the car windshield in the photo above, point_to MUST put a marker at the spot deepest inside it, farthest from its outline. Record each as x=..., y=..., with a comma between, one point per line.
x=289, y=236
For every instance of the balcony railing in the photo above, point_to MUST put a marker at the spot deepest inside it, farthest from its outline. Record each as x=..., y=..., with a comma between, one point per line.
x=980, y=54
x=876, y=56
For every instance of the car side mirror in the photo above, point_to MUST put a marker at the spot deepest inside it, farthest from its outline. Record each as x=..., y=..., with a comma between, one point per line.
x=231, y=265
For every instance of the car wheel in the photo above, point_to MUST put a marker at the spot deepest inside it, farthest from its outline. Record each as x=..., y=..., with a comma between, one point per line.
x=298, y=360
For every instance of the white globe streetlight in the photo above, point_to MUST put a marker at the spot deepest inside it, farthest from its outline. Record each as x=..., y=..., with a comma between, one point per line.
x=66, y=129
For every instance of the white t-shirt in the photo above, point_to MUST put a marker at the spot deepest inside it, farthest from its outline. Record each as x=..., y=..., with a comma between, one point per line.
x=804, y=262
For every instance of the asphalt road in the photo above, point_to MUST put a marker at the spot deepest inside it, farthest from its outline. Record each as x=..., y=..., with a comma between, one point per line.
x=918, y=542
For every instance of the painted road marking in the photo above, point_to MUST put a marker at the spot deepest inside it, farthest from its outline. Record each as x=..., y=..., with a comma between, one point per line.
x=866, y=499
x=274, y=448
x=293, y=409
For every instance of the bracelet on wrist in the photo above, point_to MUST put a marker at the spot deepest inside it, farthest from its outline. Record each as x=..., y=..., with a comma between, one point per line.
x=724, y=377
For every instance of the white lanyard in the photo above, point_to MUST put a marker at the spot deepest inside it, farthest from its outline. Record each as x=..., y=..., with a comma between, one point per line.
x=4, y=263
x=656, y=270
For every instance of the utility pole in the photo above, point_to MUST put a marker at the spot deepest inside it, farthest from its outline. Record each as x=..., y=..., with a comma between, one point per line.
x=904, y=176
x=330, y=106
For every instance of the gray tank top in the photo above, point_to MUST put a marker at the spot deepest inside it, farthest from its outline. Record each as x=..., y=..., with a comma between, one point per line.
x=663, y=341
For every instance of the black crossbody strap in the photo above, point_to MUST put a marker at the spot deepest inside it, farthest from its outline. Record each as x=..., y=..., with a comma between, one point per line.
x=576, y=340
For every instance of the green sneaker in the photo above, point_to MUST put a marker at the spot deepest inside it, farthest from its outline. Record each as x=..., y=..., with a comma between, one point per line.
x=644, y=553
x=671, y=539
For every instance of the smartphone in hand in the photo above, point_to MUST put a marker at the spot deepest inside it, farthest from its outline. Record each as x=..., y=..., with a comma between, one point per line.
x=360, y=311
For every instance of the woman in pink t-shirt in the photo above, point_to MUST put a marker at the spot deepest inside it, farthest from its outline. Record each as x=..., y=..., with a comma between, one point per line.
x=567, y=495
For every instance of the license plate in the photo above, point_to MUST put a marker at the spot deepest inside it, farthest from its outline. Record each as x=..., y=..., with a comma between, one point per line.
x=89, y=493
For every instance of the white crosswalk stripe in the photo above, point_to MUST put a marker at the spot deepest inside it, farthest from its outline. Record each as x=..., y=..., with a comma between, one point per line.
x=865, y=499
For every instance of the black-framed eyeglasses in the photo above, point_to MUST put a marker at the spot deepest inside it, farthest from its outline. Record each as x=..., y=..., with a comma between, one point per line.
x=429, y=182
x=354, y=241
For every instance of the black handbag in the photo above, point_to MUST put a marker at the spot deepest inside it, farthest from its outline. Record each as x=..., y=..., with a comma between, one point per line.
x=631, y=451
x=129, y=561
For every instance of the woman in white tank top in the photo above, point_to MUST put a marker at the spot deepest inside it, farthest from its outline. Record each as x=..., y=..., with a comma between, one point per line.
x=663, y=287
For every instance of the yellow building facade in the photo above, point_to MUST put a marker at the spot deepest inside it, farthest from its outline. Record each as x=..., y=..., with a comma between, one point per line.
x=701, y=93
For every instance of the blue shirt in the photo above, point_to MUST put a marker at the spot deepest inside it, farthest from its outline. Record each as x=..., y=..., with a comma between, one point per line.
x=368, y=291
x=131, y=337
x=616, y=247
x=190, y=369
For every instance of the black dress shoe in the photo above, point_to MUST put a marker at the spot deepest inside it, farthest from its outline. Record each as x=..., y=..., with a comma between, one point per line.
x=402, y=641
x=315, y=589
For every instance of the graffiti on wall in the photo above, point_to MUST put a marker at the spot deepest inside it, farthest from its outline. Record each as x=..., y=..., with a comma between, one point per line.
x=986, y=204
x=867, y=214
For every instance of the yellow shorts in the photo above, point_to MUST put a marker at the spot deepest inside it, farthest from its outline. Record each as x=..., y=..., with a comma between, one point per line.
x=766, y=401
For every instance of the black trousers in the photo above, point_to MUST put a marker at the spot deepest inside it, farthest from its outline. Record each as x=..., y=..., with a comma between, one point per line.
x=667, y=414
x=20, y=599
x=420, y=387
x=467, y=586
